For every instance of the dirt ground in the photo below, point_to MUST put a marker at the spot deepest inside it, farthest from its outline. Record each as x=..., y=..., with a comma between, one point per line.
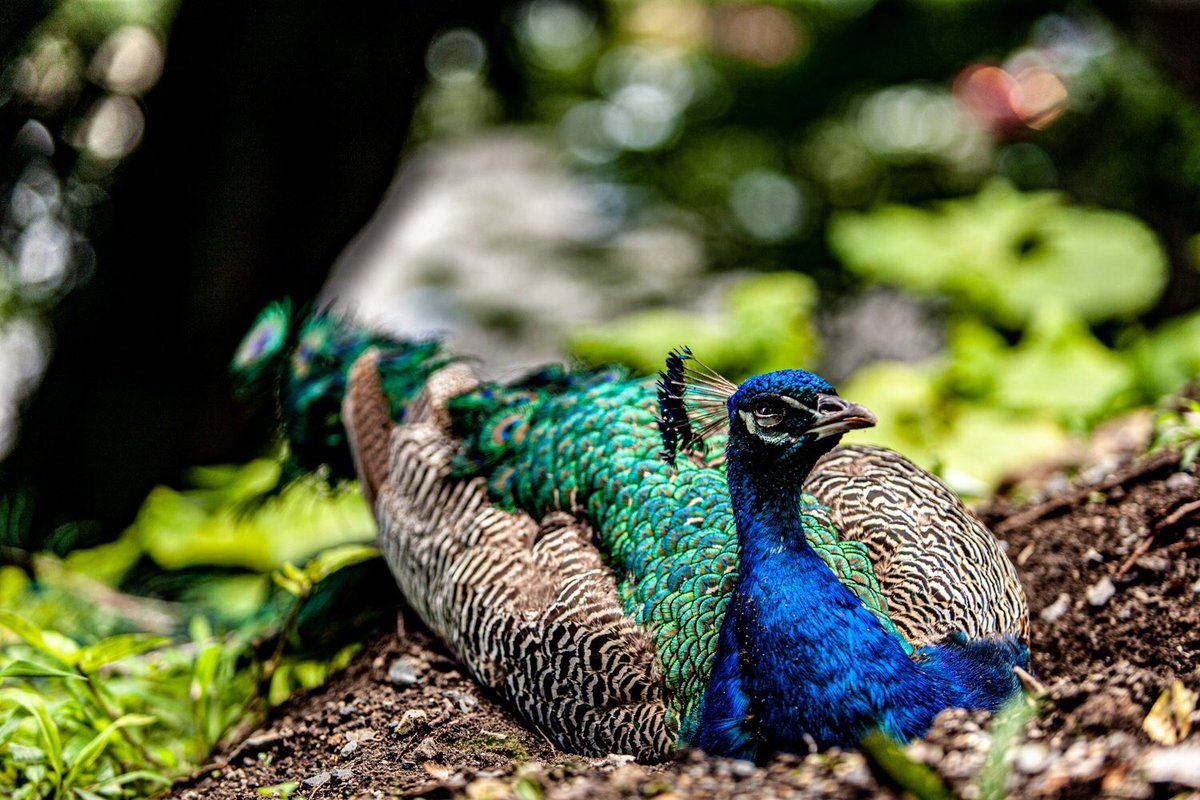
x=1112, y=571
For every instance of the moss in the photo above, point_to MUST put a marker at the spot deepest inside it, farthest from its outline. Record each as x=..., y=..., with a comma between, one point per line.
x=501, y=743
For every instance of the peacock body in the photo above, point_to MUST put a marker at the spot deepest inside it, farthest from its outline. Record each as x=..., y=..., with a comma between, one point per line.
x=615, y=599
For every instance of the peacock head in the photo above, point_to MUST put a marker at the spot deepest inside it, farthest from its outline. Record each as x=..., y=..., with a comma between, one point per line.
x=790, y=416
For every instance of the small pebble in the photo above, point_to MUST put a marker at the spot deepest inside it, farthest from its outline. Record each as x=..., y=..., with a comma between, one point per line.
x=426, y=749
x=1180, y=480
x=742, y=768
x=464, y=700
x=1055, y=610
x=1153, y=563
x=403, y=672
x=410, y=721
x=1032, y=758
x=1173, y=765
x=320, y=779
x=1093, y=555
x=1101, y=592
x=348, y=748
x=343, y=773
x=613, y=760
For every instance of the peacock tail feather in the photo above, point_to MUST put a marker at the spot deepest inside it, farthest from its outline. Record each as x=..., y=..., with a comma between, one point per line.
x=302, y=360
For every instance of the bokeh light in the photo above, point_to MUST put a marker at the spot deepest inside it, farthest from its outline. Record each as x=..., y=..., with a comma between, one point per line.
x=114, y=128
x=24, y=351
x=50, y=75
x=640, y=117
x=556, y=35
x=763, y=35
x=681, y=25
x=768, y=205
x=129, y=61
x=456, y=56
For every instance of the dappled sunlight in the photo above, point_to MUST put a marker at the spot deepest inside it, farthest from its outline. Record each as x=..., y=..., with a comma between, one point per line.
x=74, y=95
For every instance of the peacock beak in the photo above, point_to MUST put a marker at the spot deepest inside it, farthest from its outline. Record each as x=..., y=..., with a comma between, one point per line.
x=836, y=416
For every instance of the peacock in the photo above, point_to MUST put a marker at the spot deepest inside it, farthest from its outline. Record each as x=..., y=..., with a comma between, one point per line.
x=637, y=565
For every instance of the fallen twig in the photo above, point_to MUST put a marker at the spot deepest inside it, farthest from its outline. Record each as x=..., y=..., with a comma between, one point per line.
x=1178, y=515
x=1171, y=520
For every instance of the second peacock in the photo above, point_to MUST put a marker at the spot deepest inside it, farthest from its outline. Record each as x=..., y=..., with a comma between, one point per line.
x=755, y=590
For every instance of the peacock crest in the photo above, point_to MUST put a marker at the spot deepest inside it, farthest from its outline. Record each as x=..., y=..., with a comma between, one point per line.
x=691, y=404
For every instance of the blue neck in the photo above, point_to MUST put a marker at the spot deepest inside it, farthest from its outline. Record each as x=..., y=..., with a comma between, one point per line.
x=800, y=660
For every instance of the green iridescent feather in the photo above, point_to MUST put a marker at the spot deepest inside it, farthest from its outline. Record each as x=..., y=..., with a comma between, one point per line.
x=304, y=364
x=589, y=444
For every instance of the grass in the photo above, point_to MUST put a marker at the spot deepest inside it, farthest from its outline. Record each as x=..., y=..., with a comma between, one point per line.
x=1177, y=426
x=125, y=714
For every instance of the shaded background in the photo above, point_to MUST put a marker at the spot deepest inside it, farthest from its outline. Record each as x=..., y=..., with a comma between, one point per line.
x=269, y=140
x=703, y=143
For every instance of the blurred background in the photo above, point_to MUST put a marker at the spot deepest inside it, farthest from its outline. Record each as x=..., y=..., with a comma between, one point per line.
x=980, y=218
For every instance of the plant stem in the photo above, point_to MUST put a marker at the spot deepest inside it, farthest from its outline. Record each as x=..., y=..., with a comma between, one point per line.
x=114, y=714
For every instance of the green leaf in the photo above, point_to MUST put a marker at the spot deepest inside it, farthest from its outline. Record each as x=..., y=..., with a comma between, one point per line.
x=9, y=727
x=47, y=729
x=20, y=668
x=279, y=790
x=140, y=775
x=52, y=643
x=765, y=322
x=330, y=561
x=1056, y=356
x=204, y=672
x=1008, y=254
x=528, y=789
x=292, y=580
x=294, y=588
x=1007, y=728
x=910, y=776
x=115, y=648
x=25, y=755
x=92, y=750
x=210, y=527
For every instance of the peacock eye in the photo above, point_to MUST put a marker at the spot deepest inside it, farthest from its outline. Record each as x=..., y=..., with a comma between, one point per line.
x=768, y=413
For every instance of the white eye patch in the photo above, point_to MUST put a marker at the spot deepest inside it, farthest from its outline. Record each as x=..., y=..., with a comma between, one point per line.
x=770, y=437
x=796, y=404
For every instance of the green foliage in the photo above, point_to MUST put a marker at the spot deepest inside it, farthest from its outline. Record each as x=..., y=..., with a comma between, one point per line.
x=1007, y=729
x=209, y=525
x=1178, y=426
x=971, y=444
x=1168, y=356
x=985, y=408
x=90, y=706
x=1009, y=255
x=300, y=582
x=286, y=677
x=911, y=777
x=67, y=728
x=765, y=322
